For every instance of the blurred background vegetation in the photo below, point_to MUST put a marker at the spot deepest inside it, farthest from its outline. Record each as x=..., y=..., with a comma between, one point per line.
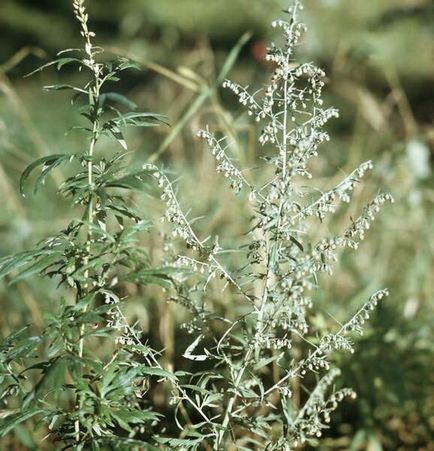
x=379, y=59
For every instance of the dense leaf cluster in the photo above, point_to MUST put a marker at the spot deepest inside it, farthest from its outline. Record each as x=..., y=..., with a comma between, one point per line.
x=84, y=398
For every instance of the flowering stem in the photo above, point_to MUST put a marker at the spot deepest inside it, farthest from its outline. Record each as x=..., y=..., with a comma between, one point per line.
x=94, y=96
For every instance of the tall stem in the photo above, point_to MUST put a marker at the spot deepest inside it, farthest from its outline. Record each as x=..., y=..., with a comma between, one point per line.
x=89, y=220
x=94, y=94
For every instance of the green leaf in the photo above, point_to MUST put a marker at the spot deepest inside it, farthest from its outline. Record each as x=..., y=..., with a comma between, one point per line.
x=129, y=180
x=60, y=62
x=48, y=163
x=297, y=243
x=196, y=388
x=52, y=379
x=14, y=337
x=265, y=362
x=116, y=133
x=13, y=262
x=119, y=381
x=117, y=98
x=64, y=87
x=24, y=349
x=39, y=266
x=100, y=332
x=125, y=417
x=125, y=211
x=156, y=371
x=158, y=276
x=127, y=64
x=64, y=61
x=137, y=120
x=12, y=421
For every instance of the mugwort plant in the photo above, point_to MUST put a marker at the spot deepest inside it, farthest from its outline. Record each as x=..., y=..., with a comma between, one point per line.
x=246, y=395
x=84, y=378
x=259, y=378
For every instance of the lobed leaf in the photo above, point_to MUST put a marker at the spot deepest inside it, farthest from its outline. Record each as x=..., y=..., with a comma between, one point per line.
x=11, y=421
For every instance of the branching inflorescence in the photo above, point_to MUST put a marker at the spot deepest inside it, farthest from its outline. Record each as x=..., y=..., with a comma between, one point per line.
x=282, y=268
x=246, y=392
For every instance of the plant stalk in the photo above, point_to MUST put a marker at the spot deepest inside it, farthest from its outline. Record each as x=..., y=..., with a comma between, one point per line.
x=94, y=99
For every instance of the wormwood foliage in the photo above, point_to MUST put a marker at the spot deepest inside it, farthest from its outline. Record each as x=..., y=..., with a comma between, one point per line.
x=85, y=397
x=260, y=379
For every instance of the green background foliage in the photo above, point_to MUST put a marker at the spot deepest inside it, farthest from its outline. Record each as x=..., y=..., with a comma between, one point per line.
x=378, y=56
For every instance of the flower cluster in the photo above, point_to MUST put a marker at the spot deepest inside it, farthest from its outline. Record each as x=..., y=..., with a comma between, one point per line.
x=225, y=165
x=173, y=212
x=355, y=324
x=188, y=262
x=364, y=221
x=244, y=97
x=327, y=202
x=271, y=342
x=339, y=341
x=314, y=417
x=83, y=17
